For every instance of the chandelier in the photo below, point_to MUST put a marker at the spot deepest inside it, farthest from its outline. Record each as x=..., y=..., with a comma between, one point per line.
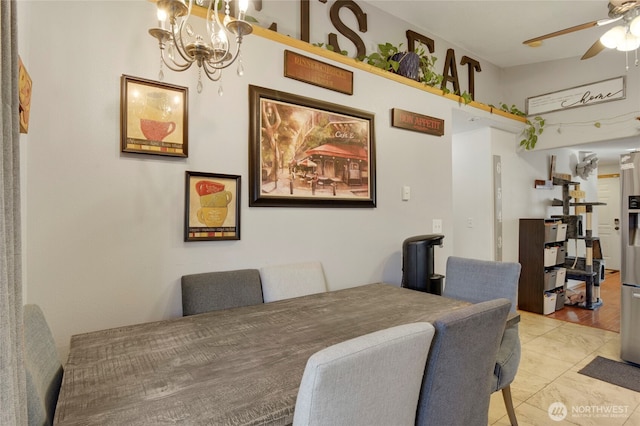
x=181, y=46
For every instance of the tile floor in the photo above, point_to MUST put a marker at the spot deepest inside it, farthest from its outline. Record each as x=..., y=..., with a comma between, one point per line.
x=552, y=353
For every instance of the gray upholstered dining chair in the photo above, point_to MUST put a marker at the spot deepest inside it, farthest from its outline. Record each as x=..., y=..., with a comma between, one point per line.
x=457, y=378
x=42, y=368
x=212, y=291
x=475, y=281
x=369, y=380
x=292, y=280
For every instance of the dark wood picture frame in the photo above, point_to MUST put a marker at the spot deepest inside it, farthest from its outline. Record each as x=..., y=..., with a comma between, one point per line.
x=153, y=117
x=308, y=153
x=212, y=207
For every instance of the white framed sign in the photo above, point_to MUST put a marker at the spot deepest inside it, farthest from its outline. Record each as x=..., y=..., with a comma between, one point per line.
x=613, y=89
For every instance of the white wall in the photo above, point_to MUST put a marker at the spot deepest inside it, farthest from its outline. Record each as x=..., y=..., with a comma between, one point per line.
x=473, y=190
x=576, y=126
x=473, y=194
x=103, y=237
x=105, y=240
x=381, y=28
x=608, y=169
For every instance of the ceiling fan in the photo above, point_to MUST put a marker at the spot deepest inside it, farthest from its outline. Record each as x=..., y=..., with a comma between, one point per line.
x=624, y=37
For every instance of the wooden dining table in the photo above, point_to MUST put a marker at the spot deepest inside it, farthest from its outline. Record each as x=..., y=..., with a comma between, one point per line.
x=239, y=366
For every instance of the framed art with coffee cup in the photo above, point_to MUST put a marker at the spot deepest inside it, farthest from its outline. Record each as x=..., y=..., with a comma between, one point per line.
x=212, y=207
x=153, y=117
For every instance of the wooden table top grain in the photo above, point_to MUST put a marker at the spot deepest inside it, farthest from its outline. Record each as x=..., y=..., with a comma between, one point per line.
x=238, y=366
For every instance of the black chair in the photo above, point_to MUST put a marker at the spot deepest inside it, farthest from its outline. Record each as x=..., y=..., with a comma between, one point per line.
x=480, y=280
x=456, y=387
x=212, y=291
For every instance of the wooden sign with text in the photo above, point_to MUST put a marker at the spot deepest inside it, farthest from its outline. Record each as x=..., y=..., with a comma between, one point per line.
x=589, y=94
x=417, y=122
x=318, y=73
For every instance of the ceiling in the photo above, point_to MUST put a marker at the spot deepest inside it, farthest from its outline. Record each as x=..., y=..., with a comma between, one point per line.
x=495, y=30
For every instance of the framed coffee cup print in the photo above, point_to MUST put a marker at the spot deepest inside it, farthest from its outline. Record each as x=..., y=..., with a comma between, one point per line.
x=212, y=207
x=153, y=117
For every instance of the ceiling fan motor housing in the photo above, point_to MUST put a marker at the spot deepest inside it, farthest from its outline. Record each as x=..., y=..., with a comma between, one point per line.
x=621, y=7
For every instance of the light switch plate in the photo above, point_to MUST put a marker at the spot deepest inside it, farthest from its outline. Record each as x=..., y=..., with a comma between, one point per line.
x=406, y=193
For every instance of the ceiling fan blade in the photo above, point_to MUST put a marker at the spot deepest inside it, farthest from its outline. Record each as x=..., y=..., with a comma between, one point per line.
x=562, y=32
x=595, y=48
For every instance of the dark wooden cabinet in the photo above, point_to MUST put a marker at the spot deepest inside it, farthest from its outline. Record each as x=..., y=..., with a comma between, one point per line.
x=542, y=249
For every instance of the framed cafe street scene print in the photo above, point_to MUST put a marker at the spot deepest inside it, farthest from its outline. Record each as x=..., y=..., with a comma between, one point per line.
x=309, y=153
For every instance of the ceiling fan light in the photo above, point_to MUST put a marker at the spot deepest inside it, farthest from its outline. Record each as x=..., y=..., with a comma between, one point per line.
x=629, y=42
x=634, y=26
x=613, y=37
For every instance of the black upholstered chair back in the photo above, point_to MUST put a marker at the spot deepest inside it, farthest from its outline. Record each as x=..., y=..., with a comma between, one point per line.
x=212, y=291
x=475, y=281
x=456, y=384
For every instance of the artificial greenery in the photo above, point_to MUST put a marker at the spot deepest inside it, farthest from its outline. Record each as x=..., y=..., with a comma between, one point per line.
x=383, y=58
x=330, y=47
x=427, y=66
x=532, y=130
x=466, y=97
x=389, y=58
x=510, y=109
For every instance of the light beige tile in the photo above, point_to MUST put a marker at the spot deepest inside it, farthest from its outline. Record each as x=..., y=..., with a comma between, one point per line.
x=526, y=337
x=537, y=325
x=610, y=350
x=549, y=368
x=564, y=347
x=497, y=409
x=529, y=415
x=634, y=418
x=588, y=401
x=606, y=335
x=589, y=338
x=526, y=384
x=552, y=353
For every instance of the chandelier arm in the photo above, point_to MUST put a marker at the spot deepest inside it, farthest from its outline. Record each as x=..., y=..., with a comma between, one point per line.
x=220, y=65
x=212, y=74
x=179, y=43
x=212, y=12
x=172, y=64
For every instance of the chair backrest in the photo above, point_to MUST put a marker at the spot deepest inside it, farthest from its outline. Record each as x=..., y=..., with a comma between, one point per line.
x=480, y=280
x=370, y=380
x=292, y=280
x=212, y=291
x=43, y=367
x=456, y=387
x=476, y=280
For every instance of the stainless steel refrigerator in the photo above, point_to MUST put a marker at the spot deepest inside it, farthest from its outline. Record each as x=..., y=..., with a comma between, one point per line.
x=630, y=274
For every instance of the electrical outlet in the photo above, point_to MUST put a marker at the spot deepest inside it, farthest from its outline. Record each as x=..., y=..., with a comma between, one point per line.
x=469, y=222
x=437, y=226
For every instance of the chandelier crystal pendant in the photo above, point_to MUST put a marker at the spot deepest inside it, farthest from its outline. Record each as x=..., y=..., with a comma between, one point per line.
x=181, y=46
